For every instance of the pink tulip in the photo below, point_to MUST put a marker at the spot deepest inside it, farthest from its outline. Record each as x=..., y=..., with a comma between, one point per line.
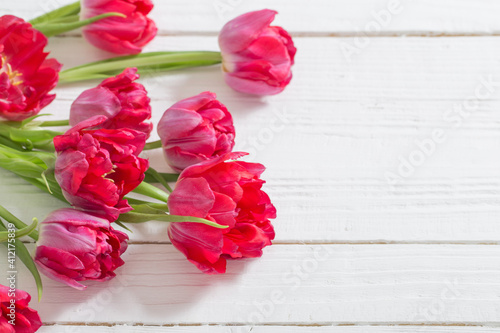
x=96, y=168
x=229, y=193
x=123, y=101
x=76, y=246
x=116, y=34
x=26, y=74
x=194, y=130
x=25, y=319
x=257, y=57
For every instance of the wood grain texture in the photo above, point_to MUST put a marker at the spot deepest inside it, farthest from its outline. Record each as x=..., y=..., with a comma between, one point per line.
x=356, y=110
x=324, y=17
x=267, y=329
x=332, y=137
x=293, y=284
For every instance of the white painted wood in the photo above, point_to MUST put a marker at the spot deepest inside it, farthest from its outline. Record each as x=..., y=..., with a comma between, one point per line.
x=341, y=127
x=317, y=17
x=293, y=284
x=355, y=108
x=267, y=329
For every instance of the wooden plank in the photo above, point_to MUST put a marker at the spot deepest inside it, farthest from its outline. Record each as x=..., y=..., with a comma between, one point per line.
x=340, y=129
x=266, y=329
x=294, y=284
x=372, y=17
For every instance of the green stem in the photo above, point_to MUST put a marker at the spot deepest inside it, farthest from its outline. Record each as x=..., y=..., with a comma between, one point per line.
x=68, y=10
x=52, y=29
x=151, y=191
x=152, y=145
x=54, y=123
x=66, y=19
x=17, y=222
x=6, y=142
x=146, y=63
x=23, y=254
x=157, y=177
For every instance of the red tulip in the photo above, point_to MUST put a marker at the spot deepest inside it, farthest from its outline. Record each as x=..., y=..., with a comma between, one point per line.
x=97, y=168
x=116, y=34
x=229, y=193
x=194, y=130
x=14, y=310
x=123, y=101
x=76, y=246
x=26, y=76
x=257, y=57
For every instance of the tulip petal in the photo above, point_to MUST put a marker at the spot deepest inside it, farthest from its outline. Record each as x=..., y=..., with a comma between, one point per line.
x=93, y=102
x=238, y=33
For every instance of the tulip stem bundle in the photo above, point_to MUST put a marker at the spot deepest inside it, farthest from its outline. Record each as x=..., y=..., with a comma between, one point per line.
x=65, y=11
x=65, y=19
x=151, y=191
x=146, y=63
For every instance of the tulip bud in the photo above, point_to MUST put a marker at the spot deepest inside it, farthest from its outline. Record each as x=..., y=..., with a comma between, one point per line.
x=124, y=102
x=76, y=246
x=257, y=57
x=119, y=35
x=194, y=130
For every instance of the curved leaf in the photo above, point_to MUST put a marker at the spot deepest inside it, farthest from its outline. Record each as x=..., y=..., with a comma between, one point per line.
x=23, y=254
x=133, y=217
x=4, y=235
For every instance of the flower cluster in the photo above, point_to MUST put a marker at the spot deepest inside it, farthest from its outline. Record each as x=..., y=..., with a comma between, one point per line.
x=217, y=210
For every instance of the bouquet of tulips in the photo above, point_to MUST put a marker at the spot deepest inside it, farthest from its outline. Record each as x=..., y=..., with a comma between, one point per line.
x=217, y=209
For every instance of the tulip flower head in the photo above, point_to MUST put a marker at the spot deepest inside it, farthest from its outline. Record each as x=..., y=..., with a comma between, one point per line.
x=194, y=130
x=257, y=57
x=25, y=319
x=119, y=35
x=124, y=102
x=96, y=168
x=227, y=192
x=75, y=246
x=26, y=75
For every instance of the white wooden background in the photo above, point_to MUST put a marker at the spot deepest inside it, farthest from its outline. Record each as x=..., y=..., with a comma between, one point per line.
x=354, y=251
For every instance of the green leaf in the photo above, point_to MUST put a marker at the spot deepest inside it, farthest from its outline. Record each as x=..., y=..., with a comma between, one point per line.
x=10, y=144
x=156, y=176
x=27, y=121
x=37, y=136
x=52, y=29
x=151, y=191
x=133, y=217
x=20, y=167
x=39, y=158
x=168, y=177
x=4, y=235
x=150, y=208
x=28, y=138
x=123, y=226
x=23, y=254
x=68, y=10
